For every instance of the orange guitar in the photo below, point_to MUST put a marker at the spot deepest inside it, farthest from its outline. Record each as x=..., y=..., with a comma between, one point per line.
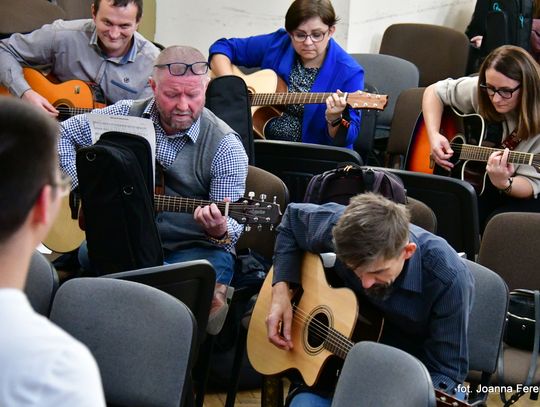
x=267, y=91
x=69, y=98
x=324, y=320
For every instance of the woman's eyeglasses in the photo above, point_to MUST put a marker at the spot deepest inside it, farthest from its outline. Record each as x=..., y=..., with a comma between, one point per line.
x=505, y=93
x=316, y=36
x=180, y=69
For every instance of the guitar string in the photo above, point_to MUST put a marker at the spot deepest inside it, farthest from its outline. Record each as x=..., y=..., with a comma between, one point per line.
x=328, y=334
x=520, y=157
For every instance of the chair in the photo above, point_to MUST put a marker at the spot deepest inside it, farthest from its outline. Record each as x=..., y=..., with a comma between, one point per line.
x=486, y=324
x=76, y=9
x=454, y=203
x=406, y=113
x=389, y=75
x=295, y=163
x=439, y=52
x=23, y=16
x=509, y=247
x=379, y=375
x=422, y=215
x=192, y=282
x=141, y=338
x=41, y=284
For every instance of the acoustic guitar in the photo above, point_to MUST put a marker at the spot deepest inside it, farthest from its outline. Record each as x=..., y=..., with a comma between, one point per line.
x=67, y=232
x=267, y=91
x=324, y=320
x=468, y=159
x=69, y=98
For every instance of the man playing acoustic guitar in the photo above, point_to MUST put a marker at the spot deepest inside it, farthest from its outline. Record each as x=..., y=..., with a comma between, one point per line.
x=105, y=50
x=420, y=285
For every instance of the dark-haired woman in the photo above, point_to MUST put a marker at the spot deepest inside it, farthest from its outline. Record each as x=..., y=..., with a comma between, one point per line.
x=306, y=57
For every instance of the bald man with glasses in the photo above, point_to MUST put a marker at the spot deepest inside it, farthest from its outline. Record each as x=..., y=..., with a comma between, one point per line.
x=200, y=156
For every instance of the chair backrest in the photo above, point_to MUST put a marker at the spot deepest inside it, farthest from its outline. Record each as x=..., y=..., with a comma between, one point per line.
x=510, y=247
x=23, y=16
x=486, y=320
x=295, y=163
x=439, y=52
x=389, y=75
x=261, y=181
x=192, y=282
x=76, y=9
x=41, y=284
x=140, y=337
x=422, y=215
x=406, y=113
x=381, y=375
x=455, y=205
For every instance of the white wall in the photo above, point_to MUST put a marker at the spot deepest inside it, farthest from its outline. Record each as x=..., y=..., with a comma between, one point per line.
x=362, y=22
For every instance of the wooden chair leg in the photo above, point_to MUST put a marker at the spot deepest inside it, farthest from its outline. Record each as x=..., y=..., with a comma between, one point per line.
x=272, y=391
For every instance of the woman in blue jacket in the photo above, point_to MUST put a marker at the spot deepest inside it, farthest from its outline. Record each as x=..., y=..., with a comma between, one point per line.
x=306, y=57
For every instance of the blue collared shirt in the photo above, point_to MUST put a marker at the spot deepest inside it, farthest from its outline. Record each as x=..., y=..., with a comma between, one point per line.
x=230, y=157
x=426, y=315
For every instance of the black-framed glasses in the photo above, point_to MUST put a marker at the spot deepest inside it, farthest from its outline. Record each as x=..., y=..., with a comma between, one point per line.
x=505, y=93
x=316, y=36
x=180, y=69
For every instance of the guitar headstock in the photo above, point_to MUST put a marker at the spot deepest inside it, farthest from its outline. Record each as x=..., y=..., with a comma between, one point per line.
x=365, y=100
x=444, y=400
x=249, y=211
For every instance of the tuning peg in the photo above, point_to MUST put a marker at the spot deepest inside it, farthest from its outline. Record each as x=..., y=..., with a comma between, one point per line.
x=262, y=197
x=259, y=228
x=251, y=194
x=247, y=228
x=275, y=199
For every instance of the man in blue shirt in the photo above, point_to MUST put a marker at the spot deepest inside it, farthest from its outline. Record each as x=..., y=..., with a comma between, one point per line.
x=420, y=285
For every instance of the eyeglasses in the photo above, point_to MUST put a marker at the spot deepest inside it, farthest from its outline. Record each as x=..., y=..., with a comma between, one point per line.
x=315, y=36
x=505, y=93
x=180, y=69
x=63, y=185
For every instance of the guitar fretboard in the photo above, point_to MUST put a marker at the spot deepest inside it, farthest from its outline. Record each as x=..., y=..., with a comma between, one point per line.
x=165, y=203
x=479, y=153
x=357, y=100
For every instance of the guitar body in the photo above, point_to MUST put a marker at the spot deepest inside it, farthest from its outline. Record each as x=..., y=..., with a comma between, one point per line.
x=263, y=81
x=319, y=304
x=70, y=97
x=65, y=234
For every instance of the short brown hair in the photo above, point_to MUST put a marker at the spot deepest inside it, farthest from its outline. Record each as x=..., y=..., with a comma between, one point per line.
x=371, y=227
x=517, y=64
x=302, y=10
x=28, y=160
x=123, y=3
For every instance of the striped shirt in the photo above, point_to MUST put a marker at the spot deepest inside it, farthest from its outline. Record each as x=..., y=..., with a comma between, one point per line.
x=228, y=168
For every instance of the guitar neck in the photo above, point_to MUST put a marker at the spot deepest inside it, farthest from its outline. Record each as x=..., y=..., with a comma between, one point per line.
x=284, y=98
x=166, y=203
x=479, y=153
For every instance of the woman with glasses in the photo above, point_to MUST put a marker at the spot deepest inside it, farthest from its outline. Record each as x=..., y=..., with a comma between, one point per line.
x=506, y=91
x=305, y=56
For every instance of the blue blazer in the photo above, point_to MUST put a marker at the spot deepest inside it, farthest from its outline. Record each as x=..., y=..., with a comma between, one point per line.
x=275, y=51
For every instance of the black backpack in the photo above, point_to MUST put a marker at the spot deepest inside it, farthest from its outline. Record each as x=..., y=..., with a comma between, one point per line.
x=228, y=98
x=116, y=186
x=349, y=179
x=508, y=22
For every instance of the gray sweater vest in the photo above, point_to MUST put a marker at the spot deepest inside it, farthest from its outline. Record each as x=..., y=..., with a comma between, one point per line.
x=189, y=176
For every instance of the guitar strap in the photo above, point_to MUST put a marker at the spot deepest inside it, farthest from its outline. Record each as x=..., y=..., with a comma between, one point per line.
x=511, y=141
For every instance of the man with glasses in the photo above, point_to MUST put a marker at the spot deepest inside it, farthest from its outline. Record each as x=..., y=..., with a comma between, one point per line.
x=41, y=364
x=307, y=59
x=200, y=156
x=506, y=91
x=105, y=50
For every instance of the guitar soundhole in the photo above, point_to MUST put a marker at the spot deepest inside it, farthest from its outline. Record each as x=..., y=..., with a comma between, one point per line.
x=65, y=110
x=317, y=330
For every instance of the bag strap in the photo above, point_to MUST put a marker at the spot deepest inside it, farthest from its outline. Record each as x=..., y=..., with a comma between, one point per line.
x=534, y=357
